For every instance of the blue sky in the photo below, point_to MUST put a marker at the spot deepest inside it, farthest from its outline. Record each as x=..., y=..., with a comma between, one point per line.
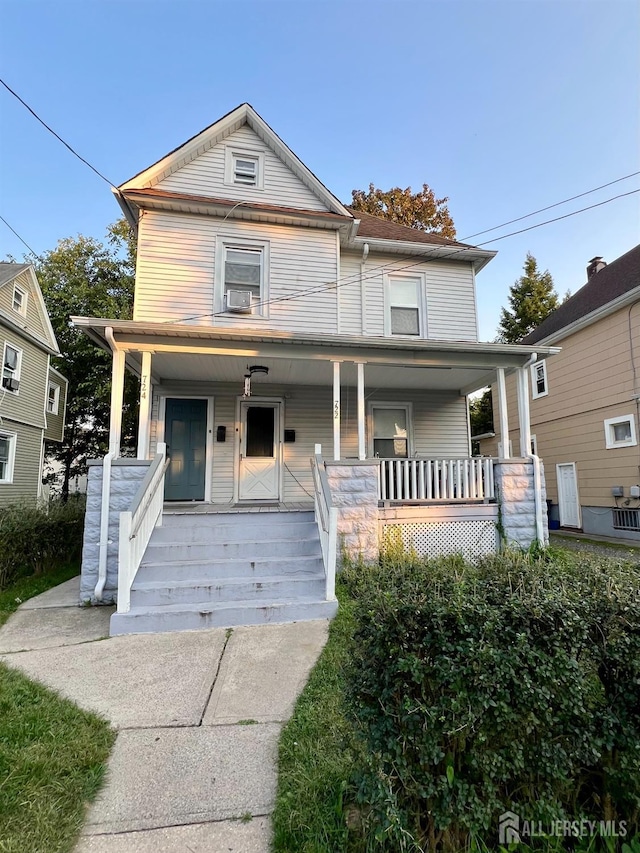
x=505, y=107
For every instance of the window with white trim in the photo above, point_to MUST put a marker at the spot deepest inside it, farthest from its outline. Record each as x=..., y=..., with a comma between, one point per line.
x=244, y=168
x=390, y=430
x=620, y=432
x=53, y=398
x=405, y=305
x=19, y=301
x=242, y=274
x=539, y=383
x=11, y=367
x=7, y=456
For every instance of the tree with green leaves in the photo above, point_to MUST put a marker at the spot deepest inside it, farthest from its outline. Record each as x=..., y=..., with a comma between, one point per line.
x=531, y=299
x=420, y=210
x=85, y=277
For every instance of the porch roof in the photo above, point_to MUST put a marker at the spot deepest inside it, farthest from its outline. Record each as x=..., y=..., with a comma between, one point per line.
x=463, y=366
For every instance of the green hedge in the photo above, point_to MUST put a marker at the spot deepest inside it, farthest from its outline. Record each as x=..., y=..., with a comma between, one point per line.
x=36, y=538
x=513, y=685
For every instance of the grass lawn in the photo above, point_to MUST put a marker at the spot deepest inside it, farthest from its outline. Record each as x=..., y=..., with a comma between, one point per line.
x=52, y=754
x=26, y=587
x=316, y=753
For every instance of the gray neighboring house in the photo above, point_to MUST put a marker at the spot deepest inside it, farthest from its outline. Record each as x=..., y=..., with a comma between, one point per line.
x=33, y=394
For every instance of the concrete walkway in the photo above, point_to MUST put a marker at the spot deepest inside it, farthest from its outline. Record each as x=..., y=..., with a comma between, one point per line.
x=198, y=716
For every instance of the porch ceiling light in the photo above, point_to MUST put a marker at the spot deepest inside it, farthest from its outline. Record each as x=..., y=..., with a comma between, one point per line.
x=257, y=368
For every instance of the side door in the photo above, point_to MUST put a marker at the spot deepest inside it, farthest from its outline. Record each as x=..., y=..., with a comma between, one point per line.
x=568, y=500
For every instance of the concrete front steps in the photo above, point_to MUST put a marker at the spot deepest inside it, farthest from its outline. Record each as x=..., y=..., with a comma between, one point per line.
x=219, y=570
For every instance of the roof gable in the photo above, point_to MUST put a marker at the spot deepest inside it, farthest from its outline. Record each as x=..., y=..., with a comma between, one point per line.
x=610, y=285
x=36, y=324
x=243, y=116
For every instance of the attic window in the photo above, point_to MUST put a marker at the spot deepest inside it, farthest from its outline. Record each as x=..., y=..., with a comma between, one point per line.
x=244, y=168
x=19, y=302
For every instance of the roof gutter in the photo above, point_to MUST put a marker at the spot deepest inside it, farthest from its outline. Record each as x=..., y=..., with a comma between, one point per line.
x=129, y=211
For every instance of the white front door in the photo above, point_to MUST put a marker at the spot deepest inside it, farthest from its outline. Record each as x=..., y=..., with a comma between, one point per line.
x=568, y=502
x=259, y=466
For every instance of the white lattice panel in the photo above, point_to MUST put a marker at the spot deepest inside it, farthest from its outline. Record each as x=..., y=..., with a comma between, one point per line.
x=472, y=539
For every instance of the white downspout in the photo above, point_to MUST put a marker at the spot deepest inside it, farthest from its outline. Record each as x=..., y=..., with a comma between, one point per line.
x=535, y=460
x=106, y=492
x=363, y=293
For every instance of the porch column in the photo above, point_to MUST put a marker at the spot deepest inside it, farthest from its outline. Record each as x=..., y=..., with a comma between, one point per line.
x=117, y=392
x=503, y=414
x=362, y=451
x=523, y=411
x=145, y=407
x=336, y=410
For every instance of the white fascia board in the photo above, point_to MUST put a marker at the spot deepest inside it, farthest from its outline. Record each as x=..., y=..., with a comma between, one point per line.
x=600, y=313
x=210, y=136
x=43, y=310
x=58, y=375
x=479, y=257
x=27, y=334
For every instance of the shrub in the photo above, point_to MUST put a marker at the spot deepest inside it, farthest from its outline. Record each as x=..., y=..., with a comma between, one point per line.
x=35, y=538
x=512, y=685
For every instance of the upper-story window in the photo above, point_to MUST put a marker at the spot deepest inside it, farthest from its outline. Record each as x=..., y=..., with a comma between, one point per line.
x=53, y=398
x=11, y=366
x=244, y=167
x=405, y=306
x=539, y=383
x=243, y=273
x=19, y=301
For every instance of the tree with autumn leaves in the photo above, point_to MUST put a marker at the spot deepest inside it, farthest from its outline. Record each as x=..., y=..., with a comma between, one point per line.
x=420, y=210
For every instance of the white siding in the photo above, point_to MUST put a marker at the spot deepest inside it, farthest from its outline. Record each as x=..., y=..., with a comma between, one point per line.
x=176, y=271
x=450, y=300
x=439, y=427
x=205, y=176
x=350, y=295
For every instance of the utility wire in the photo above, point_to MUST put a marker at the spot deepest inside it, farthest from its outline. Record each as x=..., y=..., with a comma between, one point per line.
x=374, y=272
x=551, y=206
x=59, y=138
x=18, y=236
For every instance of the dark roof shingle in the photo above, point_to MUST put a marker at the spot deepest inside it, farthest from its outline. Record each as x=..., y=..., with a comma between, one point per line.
x=616, y=279
x=381, y=229
x=9, y=271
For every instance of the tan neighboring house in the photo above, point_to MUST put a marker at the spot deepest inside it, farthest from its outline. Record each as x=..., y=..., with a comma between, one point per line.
x=32, y=393
x=585, y=402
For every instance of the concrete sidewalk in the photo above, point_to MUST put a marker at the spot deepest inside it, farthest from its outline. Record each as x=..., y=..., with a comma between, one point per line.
x=198, y=716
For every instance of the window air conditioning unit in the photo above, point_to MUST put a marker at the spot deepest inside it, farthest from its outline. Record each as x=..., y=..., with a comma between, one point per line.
x=239, y=301
x=10, y=384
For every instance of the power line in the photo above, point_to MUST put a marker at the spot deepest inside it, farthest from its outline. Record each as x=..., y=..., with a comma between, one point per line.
x=18, y=236
x=550, y=206
x=374, y=272
x=59, y=138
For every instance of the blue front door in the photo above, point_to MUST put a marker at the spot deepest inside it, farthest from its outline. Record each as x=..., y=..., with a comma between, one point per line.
x=186, y=437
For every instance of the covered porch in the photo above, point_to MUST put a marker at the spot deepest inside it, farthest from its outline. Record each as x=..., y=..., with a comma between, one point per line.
x=230, y=420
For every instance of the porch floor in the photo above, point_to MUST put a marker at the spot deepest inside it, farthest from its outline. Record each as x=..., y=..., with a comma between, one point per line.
x=191, y=507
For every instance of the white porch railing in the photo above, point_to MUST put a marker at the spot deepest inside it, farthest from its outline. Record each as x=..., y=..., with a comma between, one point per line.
x=327, y=521
x=136, y=525
x=467, y=479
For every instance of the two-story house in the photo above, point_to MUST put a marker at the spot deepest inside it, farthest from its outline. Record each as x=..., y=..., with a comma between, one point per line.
x=32, y=393
x=305, y=368
x=584, y=403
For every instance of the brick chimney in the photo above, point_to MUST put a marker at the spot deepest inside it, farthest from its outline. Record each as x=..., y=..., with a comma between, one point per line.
x=595, y=265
